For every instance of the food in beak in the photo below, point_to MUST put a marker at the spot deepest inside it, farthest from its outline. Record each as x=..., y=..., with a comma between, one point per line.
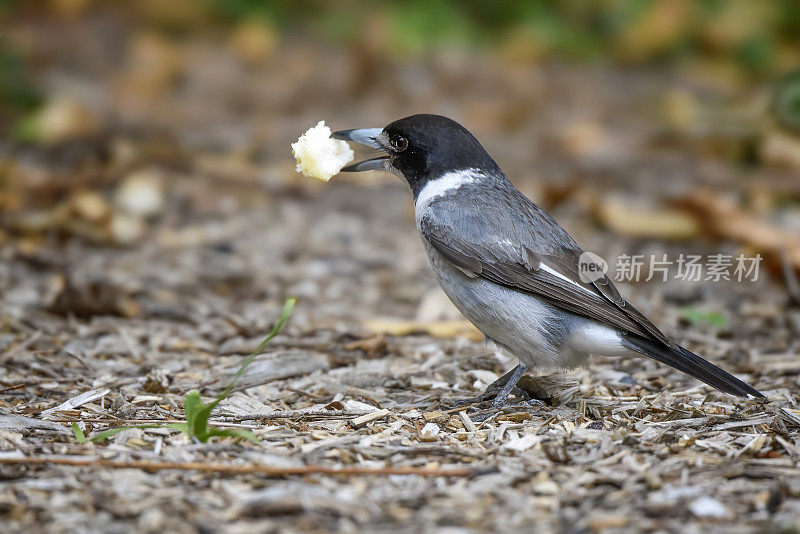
x=318, y=155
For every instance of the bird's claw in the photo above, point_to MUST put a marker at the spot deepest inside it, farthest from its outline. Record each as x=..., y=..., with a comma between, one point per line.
x=500, y=401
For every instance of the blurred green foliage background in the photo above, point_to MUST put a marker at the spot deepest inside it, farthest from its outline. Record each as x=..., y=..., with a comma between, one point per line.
x=742, y=39
x=756, y=36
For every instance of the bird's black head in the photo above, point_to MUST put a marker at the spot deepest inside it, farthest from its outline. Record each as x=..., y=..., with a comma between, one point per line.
x=421, y=148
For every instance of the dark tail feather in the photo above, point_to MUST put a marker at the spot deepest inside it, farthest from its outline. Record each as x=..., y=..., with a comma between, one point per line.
x=691, y=364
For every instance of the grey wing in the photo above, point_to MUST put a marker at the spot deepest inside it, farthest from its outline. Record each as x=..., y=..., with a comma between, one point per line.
x=510, y=260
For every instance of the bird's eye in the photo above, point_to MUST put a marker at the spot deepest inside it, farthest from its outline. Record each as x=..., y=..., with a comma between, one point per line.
x=399, y=143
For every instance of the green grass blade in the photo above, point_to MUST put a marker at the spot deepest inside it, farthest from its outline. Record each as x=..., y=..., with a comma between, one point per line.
x=102, y=436
x=80, y=437
x=288, y=306
x=197, y=415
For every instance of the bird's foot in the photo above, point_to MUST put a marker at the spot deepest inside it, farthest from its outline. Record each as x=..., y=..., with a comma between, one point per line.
x=499, y=390
x=480, y=415
x=478, y=399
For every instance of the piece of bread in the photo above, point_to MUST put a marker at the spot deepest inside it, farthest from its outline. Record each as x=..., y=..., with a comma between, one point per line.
x=318, y=156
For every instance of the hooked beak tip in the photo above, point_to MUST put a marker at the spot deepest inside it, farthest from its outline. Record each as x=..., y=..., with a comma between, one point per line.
x=344, y=135
x=364, y=136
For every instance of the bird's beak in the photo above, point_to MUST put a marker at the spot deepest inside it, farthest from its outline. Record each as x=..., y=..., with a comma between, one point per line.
x=367, y=137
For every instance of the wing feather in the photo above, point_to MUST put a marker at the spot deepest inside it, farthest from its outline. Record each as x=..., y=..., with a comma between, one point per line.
x=515, y=265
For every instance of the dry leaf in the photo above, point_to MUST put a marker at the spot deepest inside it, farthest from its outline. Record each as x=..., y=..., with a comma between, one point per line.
x=440, y=329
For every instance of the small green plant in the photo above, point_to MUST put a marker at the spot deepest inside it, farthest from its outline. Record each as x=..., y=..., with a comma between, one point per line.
x=699, y=317
x=196, y=412
x=196, y=424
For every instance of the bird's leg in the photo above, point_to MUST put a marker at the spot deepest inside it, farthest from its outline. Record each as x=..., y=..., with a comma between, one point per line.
x=500, y=389
x=511, y=382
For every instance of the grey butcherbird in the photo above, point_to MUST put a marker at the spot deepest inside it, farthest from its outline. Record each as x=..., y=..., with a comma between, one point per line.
x=508, y=266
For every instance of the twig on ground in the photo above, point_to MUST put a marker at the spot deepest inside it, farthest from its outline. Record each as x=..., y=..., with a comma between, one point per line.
x=294, y=414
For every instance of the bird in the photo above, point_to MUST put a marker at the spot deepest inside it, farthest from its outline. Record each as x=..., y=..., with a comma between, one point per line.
x=508, y=266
